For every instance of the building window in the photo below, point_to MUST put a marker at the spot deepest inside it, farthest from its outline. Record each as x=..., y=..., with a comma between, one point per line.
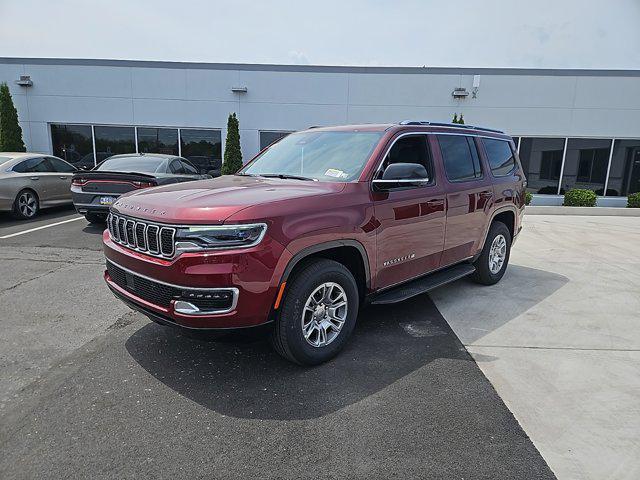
x=113, y=141
x=203, y=148
x=624, y=174
x=73, y=143
x=268, y=137
x=585, y=164
x=158, y=140
x=541, y=160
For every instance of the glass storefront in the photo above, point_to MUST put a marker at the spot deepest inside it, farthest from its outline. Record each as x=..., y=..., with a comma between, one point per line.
x=73, y=143
x=585, y=164
x=268, y=137
x=624, y=174
x=158, y=140
x=203, y=148
x=541, y=160
x=113, y=141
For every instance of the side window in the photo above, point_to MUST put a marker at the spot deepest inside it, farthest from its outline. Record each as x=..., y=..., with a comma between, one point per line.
x=188, y=168
x=460, y=157
x=176, y=167
x=60, y=166
x=411, y=149
x=32, y=165
x=500, y=156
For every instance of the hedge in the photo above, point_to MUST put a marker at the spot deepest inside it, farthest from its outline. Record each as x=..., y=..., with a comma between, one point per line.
x=633, y=200
x=527, y=198
x=577, y=197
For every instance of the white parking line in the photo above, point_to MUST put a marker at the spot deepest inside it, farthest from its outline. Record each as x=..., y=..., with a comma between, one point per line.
x=40, y=228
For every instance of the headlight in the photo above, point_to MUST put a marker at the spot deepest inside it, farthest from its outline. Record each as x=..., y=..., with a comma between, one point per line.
x=219, y=236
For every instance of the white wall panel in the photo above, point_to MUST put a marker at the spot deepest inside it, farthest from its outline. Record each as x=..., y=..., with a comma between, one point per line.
x=78, y=81
x=159, y=83
x=294, y=87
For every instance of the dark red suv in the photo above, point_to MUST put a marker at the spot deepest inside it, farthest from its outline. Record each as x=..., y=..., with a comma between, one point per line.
x=317, y=224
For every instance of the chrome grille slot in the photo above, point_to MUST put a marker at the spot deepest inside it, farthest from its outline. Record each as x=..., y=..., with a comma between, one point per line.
x=141, y=241
x=166, y=241
x=153, y=239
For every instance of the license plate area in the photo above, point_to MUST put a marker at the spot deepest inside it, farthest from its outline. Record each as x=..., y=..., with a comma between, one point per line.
x=107, y=200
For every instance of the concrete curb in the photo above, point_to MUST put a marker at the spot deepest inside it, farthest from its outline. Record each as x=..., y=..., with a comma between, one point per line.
x=583, y=211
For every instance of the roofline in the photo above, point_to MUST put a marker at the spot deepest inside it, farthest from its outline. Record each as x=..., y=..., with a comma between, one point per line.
x=321, y=68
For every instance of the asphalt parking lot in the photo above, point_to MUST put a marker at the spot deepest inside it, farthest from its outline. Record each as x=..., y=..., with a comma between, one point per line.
x=92, y=390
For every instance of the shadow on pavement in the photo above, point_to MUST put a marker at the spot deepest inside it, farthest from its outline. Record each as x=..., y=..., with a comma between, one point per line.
x=244, y=377
x=7, y=220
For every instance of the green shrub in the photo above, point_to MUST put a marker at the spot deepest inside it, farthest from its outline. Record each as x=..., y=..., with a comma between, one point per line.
x=577, y=197
x=232, y=153
x=527, y=198
x=10, y=131
x=633, y=200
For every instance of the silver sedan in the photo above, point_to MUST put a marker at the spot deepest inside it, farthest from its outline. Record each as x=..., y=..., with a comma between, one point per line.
x=31, y=181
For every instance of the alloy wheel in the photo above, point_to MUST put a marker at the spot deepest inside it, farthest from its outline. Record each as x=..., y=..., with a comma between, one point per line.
x=27, y=204
x=497, y=254
x=324, y=314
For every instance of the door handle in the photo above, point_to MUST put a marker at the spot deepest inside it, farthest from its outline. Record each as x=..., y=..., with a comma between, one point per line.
x=35, y=178
x=63, y=177
x=486, y=194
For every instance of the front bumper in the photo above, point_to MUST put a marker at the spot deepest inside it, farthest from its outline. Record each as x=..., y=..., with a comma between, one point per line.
x=253, y=275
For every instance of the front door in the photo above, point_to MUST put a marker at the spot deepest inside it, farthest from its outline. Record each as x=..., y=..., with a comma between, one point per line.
x=411, y=234
x=469, y=197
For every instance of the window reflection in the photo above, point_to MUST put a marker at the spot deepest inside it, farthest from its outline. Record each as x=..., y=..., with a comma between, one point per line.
x=203, y=148
x=73, y=143
x=585, y=164
x=541, y=160
x=624, y=175
x=113, y=141
x=268, y=137
x=158, y=140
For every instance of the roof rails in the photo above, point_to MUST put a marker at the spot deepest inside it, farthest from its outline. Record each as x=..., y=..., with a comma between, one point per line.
x=454, y=125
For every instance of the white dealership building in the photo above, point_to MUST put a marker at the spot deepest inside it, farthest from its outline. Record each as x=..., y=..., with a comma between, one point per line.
x=573, y=128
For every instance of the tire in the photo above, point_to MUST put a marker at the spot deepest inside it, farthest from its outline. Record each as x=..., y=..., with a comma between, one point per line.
x=314, y=279
x=26, y=205
x=487, y=271
x=95, y=217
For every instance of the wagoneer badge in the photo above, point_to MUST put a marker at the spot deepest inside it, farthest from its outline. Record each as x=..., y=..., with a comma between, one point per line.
x=399, y=259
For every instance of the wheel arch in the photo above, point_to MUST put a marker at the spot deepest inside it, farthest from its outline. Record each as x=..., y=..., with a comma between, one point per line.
x=506, y=215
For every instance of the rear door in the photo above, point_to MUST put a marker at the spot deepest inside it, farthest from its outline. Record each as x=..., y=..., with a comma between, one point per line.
x=469, y=196
x=36, y=174
x=411, y=234
x=62, y=173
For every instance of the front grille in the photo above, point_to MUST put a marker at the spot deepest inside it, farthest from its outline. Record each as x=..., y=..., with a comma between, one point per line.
x=154, y=239
x=161, y=294
x=154, y=292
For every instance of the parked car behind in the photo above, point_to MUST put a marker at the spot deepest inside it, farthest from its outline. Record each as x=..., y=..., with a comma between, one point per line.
x=94, y=191
x=31, y=181
x=316, y=225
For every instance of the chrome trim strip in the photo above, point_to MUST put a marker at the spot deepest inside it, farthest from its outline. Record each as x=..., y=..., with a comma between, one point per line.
x=234, y=291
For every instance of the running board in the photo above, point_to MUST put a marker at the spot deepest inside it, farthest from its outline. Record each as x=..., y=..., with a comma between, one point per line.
x=423, y=284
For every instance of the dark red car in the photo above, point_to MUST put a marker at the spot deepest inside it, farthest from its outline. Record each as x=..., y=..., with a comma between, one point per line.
x=317, y=224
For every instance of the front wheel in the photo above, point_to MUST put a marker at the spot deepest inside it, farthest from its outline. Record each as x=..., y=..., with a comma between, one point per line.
x=318, y=313
x=492, y=262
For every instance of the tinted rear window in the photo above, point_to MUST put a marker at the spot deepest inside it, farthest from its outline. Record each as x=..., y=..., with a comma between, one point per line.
x=500, y=156
x=133, y=164
x=460, y=156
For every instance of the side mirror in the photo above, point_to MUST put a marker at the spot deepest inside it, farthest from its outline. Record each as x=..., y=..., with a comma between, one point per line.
x=402, y=175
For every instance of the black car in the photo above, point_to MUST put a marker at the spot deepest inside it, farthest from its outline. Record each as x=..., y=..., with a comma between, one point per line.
x=95, y=190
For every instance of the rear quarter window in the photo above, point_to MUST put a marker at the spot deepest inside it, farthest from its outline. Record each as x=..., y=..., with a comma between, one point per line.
x=500, y=156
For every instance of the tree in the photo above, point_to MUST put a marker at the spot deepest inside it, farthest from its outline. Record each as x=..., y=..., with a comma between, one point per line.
x=461, y=120
x=232, y=153
x=10, y=131
x=455, y=118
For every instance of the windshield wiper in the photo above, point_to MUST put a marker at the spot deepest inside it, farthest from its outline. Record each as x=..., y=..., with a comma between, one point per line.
x=284, y=175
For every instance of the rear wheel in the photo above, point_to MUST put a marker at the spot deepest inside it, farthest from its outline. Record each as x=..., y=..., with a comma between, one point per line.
x=318, y=313
x=26, y=205
x=95, y=217
x=492, y=262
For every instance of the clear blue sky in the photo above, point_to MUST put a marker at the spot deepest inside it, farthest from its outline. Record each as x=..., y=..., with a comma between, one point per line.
x=478, y=33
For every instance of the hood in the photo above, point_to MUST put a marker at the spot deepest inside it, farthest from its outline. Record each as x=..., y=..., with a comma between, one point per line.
x=213, y=201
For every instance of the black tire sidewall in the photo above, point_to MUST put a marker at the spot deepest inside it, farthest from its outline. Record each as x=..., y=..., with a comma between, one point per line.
x=298, y=291
x=16, y=210
x=483, y=274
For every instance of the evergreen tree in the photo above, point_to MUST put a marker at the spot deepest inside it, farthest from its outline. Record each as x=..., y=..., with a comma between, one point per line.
x=232, y=153
x=10, y=131
x=461, y=120
x=455, y=118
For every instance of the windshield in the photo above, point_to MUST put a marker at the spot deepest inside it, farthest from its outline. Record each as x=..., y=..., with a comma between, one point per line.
x=327, y=156
x=133, y=164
